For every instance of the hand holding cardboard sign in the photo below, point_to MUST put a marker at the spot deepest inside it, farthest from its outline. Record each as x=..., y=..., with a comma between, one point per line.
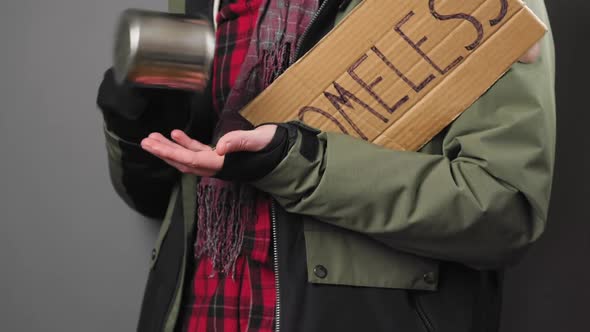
x=531, y=55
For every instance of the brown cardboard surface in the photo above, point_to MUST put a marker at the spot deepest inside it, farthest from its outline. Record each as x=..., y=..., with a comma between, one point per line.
x=397, y=72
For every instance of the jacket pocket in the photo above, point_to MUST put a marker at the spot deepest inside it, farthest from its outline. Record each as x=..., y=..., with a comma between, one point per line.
x=340, y=257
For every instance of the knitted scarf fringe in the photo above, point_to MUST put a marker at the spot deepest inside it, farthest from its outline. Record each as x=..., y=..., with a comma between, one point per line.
x=225, y=210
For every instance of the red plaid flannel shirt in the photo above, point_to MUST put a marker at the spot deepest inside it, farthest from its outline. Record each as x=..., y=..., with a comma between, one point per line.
x=246, y=302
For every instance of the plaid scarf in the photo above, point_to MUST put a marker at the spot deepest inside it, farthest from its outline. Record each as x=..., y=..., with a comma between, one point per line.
x=226, y=209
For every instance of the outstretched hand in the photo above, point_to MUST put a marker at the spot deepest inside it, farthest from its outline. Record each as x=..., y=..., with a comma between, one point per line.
x=191, y=156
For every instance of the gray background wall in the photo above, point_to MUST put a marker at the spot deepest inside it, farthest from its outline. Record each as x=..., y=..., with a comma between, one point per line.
x=73, y=257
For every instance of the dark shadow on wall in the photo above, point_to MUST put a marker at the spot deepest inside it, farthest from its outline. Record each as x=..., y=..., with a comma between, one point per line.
x=549, y=291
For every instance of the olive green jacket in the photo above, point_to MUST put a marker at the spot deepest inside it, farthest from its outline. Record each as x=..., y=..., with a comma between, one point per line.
x=477, y=194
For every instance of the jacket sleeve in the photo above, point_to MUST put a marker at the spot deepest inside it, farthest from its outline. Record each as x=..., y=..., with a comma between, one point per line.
x=142, y=180
x=480, y=203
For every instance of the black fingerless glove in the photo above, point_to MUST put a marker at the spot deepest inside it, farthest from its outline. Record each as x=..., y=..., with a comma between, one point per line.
x=252, y=166
x=120, y=100
x=132, y=113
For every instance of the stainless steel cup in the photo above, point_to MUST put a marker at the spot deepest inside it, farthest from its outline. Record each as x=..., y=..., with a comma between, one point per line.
x=162, y=49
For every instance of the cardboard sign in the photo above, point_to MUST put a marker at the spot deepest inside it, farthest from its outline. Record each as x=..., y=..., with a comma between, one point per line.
x=396, y=73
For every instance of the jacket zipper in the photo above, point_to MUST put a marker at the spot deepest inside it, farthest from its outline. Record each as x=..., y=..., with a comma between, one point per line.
x=296, y=55
x=272, y=205
x=275, y=249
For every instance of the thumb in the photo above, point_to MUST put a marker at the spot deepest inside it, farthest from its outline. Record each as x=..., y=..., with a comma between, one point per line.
x=235, y=141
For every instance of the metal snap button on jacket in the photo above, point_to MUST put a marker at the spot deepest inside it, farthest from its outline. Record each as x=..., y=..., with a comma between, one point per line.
x=153, y=254
x=320, y=271
x=429, y=278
